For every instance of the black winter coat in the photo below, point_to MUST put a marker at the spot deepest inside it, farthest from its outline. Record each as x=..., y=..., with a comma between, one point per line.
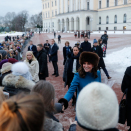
x=34, y=49
x=64, y=53
x=42, y=59
x=99, y=52
x=53, y=52
x=68, y=75
x=47, y=49
x=104, y=38
x=85, y=46
x=126, y=84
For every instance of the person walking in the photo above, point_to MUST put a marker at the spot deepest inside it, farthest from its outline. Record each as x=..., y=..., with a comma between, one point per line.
x=32, y=48
x=104, y=40
x=78, y=34
x=89, y=33
x=42, y=59
x=126, y=88
x=59, y=38
x=33, y=65
x=66, y=51
x=54, y=34
x=71, y=67
x=86, y=74
x=47, y=47
x=97, y=49
x=54, y=57
x=75, y=34
x=85, y=46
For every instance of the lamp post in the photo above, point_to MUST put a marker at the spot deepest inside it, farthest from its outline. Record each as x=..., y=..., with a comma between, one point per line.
x=91, y=19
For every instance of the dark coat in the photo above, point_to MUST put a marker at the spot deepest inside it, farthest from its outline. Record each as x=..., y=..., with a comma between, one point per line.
x=42, y=59
x=126, y=84
x=64, y=53
x=53, y=52
x=104, y=38
x=34, y=49
x=47, y=49
x=68, y=75
x=85, y=46
x=99, y=52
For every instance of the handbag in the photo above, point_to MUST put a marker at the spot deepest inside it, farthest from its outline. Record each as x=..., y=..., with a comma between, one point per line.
x=122, y=110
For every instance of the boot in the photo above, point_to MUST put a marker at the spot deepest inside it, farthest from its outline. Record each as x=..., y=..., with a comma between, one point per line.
x=109, y=77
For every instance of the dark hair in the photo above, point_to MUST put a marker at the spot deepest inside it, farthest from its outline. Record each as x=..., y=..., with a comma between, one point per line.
x=99, y=41
x=46, y=40
x=40, y=45
x=31, y=41
x=82, y=72
x=47, y=91
x=76, y=47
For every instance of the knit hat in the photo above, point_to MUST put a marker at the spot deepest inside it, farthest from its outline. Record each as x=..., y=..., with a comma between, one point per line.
x=6, y=67
x=21, y=69
x=91, y=57
x=95, y=41
x=97, y=107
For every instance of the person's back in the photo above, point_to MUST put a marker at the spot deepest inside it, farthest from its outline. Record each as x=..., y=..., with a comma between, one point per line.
x=22, y=113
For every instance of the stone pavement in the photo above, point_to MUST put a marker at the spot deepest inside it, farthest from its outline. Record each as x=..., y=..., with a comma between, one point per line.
x=116, y=42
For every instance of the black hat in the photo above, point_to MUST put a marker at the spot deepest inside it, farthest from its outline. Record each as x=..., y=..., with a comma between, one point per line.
x=91, y=57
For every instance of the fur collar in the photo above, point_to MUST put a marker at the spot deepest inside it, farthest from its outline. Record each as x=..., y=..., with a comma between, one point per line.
x=17, y=82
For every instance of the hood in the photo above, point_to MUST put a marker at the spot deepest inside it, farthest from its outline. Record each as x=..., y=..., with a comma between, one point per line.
x=51, y=125
x=17, y=82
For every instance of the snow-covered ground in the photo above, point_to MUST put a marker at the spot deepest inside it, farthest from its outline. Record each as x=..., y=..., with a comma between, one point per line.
x=12, y=33
x=112, y=32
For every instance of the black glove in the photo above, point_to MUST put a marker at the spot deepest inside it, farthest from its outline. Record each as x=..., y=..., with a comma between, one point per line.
x=64, y=102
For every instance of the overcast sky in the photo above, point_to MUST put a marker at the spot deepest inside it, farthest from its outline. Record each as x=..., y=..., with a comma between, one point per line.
x=32, y=6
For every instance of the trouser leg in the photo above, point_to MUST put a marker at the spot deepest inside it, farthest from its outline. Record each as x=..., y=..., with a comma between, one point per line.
x=56, y=68
x=106, y=72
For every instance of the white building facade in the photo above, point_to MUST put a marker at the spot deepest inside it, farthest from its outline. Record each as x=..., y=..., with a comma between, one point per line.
x=73, y=15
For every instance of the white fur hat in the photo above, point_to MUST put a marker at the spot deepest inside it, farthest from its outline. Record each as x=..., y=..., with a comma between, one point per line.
x=97, y=107
x=21, y=69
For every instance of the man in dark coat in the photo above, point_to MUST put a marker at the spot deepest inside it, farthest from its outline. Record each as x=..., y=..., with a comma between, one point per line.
x=59, y=38
x=78, y=34
x=53, y=56
x=85, y=46
x=42, y=59
x=47, y=47
x=54, y=34
x=89, y=34
x=32, y=48
x=126, y=84
x=104, y=38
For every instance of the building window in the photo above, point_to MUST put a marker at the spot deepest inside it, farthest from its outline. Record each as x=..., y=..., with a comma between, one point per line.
x=107, y=3
x=99, y=4
x=116, y=2
x=52, y=13
x=56, y=12
x=124, y=27
x=52, y=24
x=52, y=3
x=115, y=19
x=43, y=6
x=55, y=3
x=48, y=5
x=106, y=28
x=99, y=20
x=125, y=2
x=115, y=28
x=88, y=5
x=107, y=20
x=99, y=28
x=124, y=19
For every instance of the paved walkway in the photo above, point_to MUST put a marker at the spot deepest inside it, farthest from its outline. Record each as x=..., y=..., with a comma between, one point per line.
x=116, y=42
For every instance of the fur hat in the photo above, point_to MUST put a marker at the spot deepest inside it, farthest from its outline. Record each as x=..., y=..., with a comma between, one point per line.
x=6, y=67
x=91, y=57
x=21, y=69
x=97, y=107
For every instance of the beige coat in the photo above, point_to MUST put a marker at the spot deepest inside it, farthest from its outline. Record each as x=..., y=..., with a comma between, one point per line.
x=34, y=70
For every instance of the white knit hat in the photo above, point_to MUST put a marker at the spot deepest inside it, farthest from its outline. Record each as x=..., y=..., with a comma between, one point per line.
x=97, y=107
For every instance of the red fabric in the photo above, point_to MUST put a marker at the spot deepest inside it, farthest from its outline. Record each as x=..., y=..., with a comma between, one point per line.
x=12, y=60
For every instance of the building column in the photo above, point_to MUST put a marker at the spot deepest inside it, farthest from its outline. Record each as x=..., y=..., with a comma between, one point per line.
x=65, y=26
x=70, y=25
x=79, y=5
x=71, y=6
x=75, y=24
x=76, y=4
x=66, y=5
x=62, y=6
x=58, y=6
x=82, y=4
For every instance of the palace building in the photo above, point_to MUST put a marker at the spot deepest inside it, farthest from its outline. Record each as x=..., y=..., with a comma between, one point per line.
x=72, y=15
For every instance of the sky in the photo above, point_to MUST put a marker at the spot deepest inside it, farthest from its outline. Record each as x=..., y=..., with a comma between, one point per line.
x=32, y=6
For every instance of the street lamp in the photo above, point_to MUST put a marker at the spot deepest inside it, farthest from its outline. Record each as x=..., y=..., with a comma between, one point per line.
x=91, y=19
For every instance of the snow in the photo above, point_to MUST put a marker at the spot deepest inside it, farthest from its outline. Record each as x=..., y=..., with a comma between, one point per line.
x=112, y=32
x=12, y=33
x=118, y=61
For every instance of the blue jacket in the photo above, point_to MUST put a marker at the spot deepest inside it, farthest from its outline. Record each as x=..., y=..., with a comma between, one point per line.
x=79, y=83
x=53, y=52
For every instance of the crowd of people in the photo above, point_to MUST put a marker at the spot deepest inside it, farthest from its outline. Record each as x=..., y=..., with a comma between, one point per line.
x=27, y=100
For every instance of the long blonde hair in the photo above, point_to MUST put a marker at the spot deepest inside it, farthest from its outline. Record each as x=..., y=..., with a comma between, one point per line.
x=33, y=57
